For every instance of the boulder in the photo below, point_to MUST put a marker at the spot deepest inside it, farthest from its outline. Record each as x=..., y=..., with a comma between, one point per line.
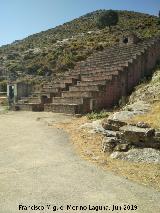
x=138, y=107
x=109, y=143
x=143, y=125
x=157, y=134
x=121, y=116
x=122, y=147
x=94, y=127
x=148, y=155
x=113, y=122
x=155, y=143
x=110, y=133
x=91, y=125
x=111, y=127
x=135, y=135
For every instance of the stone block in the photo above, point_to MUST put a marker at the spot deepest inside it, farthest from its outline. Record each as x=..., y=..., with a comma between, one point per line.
x=109, y=143
x=122, y=147
x=134, y=134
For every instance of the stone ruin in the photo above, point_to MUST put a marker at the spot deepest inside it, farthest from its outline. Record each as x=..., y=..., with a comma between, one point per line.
x=98, y=82
x=122, y=136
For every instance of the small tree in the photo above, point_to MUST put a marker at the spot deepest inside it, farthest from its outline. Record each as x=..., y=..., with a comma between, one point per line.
x=108, y=19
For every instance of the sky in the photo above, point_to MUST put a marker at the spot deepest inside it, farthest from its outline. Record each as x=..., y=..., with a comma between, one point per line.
x=21, y=18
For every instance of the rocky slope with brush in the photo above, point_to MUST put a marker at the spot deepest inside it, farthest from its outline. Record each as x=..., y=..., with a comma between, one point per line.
x=57, y=50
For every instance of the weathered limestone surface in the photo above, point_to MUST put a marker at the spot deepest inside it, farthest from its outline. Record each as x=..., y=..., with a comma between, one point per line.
x=148, y=155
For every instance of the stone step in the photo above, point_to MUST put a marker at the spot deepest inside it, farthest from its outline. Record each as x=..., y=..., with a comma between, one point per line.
x=102, y=73
x=82, y=94
x=23, y=101
x=110, y=63
x=100, y=76
x=120, y=56
x=34, y=99
x=64, y=108
x=107, y=66
x=97, y=78
x=110, y=59
x=115, y=58
x=87, y=83
x=63, y=81
x=70, y=100
x=112, y=54
x=51, y=90
x=54, y=85
x=87, y=88
x=104, y=69
x=120, y=50
x=36, y=107
x=71, y=76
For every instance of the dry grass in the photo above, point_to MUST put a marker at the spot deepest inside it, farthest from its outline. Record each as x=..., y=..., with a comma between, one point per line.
x=89, y=147
x=152, y=117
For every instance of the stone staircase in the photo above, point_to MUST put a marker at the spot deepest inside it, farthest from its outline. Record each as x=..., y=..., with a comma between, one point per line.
x=100, y=81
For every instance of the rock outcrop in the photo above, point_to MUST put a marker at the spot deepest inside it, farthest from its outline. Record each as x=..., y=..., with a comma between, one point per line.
x=126, y=136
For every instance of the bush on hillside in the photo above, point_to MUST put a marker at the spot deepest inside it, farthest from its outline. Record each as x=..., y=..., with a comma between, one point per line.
x=108, y=19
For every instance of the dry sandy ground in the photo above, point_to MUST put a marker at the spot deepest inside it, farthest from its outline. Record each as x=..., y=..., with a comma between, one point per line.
x=39, y=166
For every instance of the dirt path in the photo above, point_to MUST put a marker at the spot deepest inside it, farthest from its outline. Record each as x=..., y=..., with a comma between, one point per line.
x=38, y=166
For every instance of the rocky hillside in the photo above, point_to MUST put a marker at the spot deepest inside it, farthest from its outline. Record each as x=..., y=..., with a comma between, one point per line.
x=148, y=94
x=148, y=91
x=58, y=49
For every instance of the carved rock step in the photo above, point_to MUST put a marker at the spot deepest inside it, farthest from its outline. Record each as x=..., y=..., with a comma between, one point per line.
x=51, y=90
x=64, y=108
x=103, y=73
x=98, y=78
x=111, y=61
x=70, y=100
x=111, y=54
x=103, y=69
x=111, y=57
x=71, y=76
x=54, y=85
x=85, y=94
x=106, y=62
x=63, y=81
x=87, y=83
x=141, y=47
x=113, y=50
x=108, y=66
x=87, y=88
x=117, y=58
x=36, y=107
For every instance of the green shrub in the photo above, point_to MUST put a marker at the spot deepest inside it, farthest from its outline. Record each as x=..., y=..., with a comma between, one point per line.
x=107, y=19
x=97, y=115
x=3, y=86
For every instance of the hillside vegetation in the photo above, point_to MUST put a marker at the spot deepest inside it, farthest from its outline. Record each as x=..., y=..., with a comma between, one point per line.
x=58, y=49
